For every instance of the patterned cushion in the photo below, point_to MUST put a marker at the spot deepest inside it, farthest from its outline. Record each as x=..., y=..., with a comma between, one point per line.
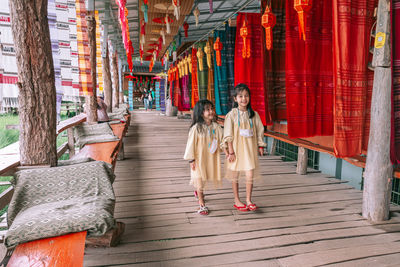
x=94, y=133
x=55, y=201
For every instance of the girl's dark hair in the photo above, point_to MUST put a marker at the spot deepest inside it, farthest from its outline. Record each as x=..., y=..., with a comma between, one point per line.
x=199, y=110
x=238, y=89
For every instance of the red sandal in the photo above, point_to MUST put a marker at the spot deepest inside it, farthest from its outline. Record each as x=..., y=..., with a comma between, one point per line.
x=241, y=208
x=252, y=207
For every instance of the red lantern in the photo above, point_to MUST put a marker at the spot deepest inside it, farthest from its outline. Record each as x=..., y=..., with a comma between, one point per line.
x=145, y=1
x=268, y=21
x=246, y=44
x=302, y=7
x=218, y=47
x=186, y=28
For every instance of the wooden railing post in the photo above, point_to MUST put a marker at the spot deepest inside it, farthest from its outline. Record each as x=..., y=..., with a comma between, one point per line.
x=71, y=143
x=302, y=160
x=273, y=146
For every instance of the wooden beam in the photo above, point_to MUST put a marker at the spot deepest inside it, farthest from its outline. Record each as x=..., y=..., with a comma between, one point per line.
x=302, y=160
x=115, y=101
x=379, y=171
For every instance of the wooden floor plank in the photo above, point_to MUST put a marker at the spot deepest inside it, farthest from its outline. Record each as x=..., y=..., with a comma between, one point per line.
x=312, y=219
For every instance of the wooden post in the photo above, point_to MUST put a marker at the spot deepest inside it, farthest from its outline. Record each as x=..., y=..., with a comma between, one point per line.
x=36, y=82
x=302, y=160
x=91, y=100
x=273, y=146
x=107, y=80
x=71, y=143
x=379, y=171
x=115, y=100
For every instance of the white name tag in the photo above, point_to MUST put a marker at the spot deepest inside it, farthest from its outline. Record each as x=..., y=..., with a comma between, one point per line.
x=246, y=132
x=213, y=147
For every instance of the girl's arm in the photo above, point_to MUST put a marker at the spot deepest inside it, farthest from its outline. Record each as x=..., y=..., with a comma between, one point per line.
x=191, y=147
x=227, y=142
x=260, y=134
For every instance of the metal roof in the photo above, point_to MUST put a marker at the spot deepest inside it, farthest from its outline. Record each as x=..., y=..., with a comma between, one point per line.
x=222, y=10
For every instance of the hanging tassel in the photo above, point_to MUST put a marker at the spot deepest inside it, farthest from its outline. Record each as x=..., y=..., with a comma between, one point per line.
x=302, y=7
x=210, y=2
x=218, y=47
x=196, y=14
x=177, y=8
x=189, y=60
x=246, y=44
x=145, y=8
x=186, y=28
x=268, y=21
x=162, y=33
x=208, y=52
x=200, y=55
x=168, y=25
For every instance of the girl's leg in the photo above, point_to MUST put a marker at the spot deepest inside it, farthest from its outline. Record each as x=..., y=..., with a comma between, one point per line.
x=235, y=187
x=249, y=186
x=200, y=194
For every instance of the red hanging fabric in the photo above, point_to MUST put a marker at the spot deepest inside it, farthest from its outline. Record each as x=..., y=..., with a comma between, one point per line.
x=395, y=136
x=309, y=77
x=275, y=64
x=195, y=85
x=250, y=71
x=353, y=81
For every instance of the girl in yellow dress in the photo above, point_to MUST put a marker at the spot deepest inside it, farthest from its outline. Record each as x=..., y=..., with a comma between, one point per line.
x=243, y=140
x=203, y=151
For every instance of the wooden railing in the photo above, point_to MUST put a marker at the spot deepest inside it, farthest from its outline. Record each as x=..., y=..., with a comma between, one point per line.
x=9, y=156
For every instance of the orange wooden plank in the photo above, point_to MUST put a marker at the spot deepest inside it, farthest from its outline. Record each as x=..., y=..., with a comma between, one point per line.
x=60, y=251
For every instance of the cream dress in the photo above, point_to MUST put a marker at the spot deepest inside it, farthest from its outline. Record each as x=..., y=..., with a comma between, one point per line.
x=236, y=130
x=201, y=139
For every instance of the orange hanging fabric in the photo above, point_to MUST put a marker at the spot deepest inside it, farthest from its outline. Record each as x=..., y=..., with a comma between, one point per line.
x=244, y=32
x=268, y=21
x=302, y=7
x=218, y=47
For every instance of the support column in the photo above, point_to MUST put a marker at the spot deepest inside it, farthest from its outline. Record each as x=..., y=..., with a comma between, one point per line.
x=91, y=100
x=36, y=82
x=379, y=171
x=107, y=80
x=115, y=100
x=302, y=160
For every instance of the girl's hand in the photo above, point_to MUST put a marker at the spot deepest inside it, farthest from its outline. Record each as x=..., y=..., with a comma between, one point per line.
x=261, y=151
x=193, y=165
x=231, y=157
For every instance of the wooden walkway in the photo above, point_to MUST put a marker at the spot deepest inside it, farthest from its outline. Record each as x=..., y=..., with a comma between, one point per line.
x=310, y=220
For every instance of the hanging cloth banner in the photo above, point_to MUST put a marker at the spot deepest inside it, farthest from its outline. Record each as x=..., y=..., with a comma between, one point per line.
x=309, y=76
x=85, y=78
x=352, y=79
x=275, y=64
x=221, y=77
x=195, y=87
x=230, y=61
x=250, y=70
x=210, y=83
x=202, y=72
x=395, y=136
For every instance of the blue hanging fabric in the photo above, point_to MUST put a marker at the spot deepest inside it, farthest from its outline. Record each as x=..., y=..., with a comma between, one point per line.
x=230, y=59
x=220, y=78
x=145, y=8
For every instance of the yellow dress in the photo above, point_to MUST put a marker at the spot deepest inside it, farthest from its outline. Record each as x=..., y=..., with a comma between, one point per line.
x=198, y=146
x=237, y=124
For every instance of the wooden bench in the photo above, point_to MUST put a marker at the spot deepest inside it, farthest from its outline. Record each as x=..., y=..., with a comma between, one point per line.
x=68, y=250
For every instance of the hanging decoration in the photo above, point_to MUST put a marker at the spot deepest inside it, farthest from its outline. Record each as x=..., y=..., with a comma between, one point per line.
x=189, y=62
x=186, y=28
x=208, y=51
x=145, y=1
x=144, y=9
x=218, y=47
x=302, y=7
x=246, y=43
x=160, y=43
x=151, y=65
x=196, y=14
x=268, y=21
x=177, y=8
x=200, y=55
x=174, y=56
x=210, y=2
x=142, y=31
x=186, y=64
x=129, y=55
x=167, y=23
x=162, y=33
